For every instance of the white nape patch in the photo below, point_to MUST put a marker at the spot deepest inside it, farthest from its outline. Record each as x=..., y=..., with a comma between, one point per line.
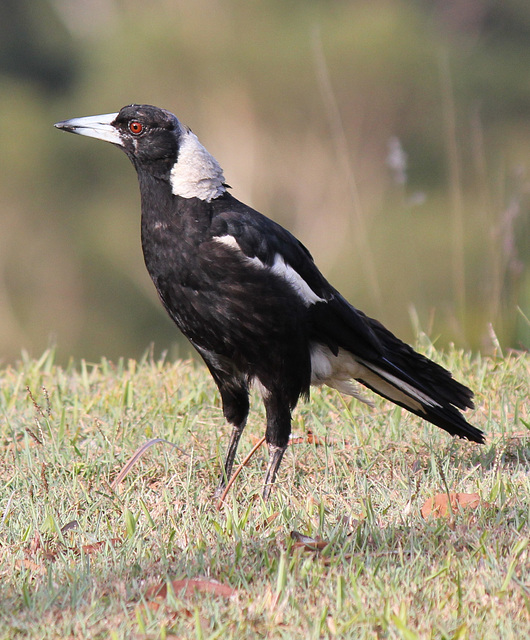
x=280, y=268
x=196, y=173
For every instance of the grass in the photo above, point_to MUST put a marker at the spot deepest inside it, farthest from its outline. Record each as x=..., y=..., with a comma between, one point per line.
x=380, y=569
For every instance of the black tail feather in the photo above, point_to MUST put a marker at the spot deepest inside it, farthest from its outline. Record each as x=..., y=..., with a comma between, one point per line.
x=433, y=381
x=446, y=417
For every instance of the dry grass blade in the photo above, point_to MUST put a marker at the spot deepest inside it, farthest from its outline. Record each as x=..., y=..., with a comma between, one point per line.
x=137, y=455
x=8, y=507
x=238, y=471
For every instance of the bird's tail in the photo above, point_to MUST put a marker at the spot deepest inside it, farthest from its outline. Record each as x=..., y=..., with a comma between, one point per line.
x=419, y=385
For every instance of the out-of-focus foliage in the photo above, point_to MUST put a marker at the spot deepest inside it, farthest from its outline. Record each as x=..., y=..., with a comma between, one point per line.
x=391, y=136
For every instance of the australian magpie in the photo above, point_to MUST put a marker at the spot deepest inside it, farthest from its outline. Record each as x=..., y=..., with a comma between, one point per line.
x=249, y=297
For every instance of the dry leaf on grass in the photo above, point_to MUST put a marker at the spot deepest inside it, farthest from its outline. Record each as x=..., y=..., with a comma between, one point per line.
x=306, y=542
x=51, y=551
x=20, y=441
x=188, y=586
x=97, y=546
x=25, y=563
x=267, y=522
x=69, y=526
x=331, y=625
x=443, y=504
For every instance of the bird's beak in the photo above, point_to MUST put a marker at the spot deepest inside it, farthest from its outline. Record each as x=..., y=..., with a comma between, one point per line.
x=94, y=126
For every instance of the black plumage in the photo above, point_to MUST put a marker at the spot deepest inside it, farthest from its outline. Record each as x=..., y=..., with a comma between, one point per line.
x=249, y=297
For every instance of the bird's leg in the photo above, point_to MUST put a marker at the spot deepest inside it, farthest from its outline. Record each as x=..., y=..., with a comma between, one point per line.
x=275, y=458
x=234, y=395
x=235, y=436
x=277, y=433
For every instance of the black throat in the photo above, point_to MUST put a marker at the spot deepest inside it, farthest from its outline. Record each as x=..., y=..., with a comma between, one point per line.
x=172, y=227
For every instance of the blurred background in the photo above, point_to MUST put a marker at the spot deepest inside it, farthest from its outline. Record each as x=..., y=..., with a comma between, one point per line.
x=391, y=136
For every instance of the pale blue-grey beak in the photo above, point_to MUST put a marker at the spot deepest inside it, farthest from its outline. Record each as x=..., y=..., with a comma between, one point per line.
x=94, y=127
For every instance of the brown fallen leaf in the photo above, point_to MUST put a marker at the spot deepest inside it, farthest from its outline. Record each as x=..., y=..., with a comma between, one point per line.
x=97, y=546
x=69, y=526
x=443, y=504
x=25, y=563
x=20, y=440
x=331, y=625
x=268, y=521
x=53, y=550
x=188, y=586
x=306, y=542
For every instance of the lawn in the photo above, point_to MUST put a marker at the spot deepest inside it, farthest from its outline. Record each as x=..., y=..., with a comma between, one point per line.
x=345, y=547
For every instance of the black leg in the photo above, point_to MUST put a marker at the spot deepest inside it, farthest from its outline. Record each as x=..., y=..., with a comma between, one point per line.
x=234, y=394
x=277, y=434
x=235, y=436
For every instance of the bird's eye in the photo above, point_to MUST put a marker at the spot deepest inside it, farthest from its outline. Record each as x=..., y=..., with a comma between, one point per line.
x=136, y=127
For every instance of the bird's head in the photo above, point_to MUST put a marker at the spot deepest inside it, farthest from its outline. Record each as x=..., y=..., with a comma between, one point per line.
x=159, y=145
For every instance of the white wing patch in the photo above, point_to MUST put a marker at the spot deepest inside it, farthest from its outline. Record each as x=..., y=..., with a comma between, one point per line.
x=279, y=268
x=285, y=271
x=196, y=173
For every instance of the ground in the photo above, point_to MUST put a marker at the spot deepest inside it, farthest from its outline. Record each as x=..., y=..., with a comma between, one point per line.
x=346, y=546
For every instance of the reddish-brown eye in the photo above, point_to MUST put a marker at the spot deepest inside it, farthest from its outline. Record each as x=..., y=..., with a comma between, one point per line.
x=136, y=127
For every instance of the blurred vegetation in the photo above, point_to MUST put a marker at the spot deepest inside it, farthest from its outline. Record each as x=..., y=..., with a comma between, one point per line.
x=391, y=136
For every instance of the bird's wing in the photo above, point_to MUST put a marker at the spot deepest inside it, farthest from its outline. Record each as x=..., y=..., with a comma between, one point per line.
x=387, y=365
x=264, y=244
x=260, y=239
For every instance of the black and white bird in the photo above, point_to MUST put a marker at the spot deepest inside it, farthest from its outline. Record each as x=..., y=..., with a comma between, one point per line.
x=250, y=299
